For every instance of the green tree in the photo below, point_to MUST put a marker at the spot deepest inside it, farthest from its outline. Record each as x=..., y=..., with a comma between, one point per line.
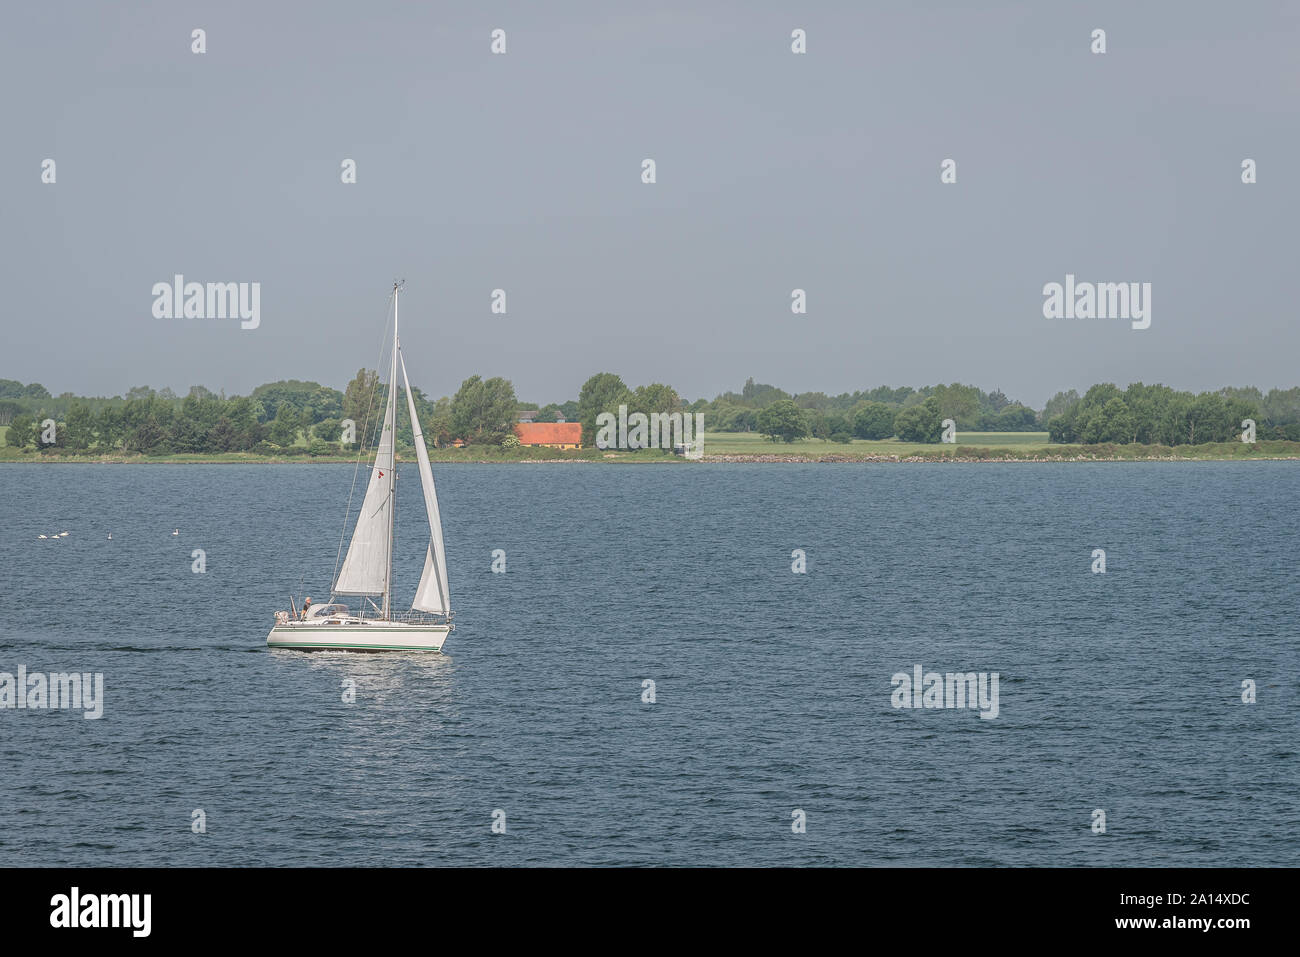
x=1059, y=404
x=994, y=401
x=874, y=420
x=1113, y=422
x=222, y=437
x=1209, y=419
x=22, y=430
x=1100, y=394
x=1071, y=424
x=920, y=423
x=483, y=410
x=284, y=428
x=958, y=402
x=655, y=397
x=440, y=426
x=79, y=427
x=325, y=403
x=363, y=403
x=723, y=417
x=815, y=423
x=888, y=395
x=328, y=430
x=1281, y=406
x=782, y=421
x=148, y=437
x=185, y=435
x=110, y=426
x=813, y=400
x=837, y=423
x=242, y=414
x=1015, y=418
x=603, y=392
x=302, y=396
x=758, y=396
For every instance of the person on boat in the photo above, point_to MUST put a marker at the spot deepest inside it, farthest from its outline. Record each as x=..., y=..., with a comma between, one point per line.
x=306, y=605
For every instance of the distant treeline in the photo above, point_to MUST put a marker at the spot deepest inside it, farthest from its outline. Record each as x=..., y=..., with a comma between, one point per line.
x=288, y=417
x=1154, y=414
x=143, y=420
x=295, y=417
x=875, y=414
x=1159, y=415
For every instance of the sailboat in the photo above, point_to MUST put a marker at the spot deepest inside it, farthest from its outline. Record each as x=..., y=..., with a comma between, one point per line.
x=367, y=570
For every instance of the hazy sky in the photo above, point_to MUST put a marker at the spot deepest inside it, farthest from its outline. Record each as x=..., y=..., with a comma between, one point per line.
x=775, y=171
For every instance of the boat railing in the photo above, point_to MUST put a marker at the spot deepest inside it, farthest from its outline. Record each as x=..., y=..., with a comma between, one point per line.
x=420, y=618
x=410, y=616
x=405, y=617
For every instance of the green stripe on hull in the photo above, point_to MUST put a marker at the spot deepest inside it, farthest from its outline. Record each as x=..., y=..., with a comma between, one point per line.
x=369, y=629
x=317, y=646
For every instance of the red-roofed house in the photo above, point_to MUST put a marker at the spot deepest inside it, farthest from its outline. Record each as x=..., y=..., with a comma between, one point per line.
x=555, y=435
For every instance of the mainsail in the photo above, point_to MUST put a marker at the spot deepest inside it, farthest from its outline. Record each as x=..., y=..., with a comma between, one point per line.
x=368, y=567
x=368, y=563
x=431, y=595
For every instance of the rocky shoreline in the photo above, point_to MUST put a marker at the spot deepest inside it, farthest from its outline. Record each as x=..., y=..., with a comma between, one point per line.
x=987, y=455
x=969, y=459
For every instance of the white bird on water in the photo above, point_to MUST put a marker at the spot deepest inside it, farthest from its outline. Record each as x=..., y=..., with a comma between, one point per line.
x=110, y=536
x=42, y=536
x=63, y=534
x=176, y=531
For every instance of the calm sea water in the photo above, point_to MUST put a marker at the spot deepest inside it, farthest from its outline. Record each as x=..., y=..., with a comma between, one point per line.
x=1119, y=692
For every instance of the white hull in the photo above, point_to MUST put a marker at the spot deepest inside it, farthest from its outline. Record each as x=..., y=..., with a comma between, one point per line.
x=376, y=636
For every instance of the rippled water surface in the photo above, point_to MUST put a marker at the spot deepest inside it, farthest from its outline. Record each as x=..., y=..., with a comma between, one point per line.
x=1119, y=692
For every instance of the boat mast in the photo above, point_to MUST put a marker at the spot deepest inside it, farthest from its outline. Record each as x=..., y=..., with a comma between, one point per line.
x=392, y=472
